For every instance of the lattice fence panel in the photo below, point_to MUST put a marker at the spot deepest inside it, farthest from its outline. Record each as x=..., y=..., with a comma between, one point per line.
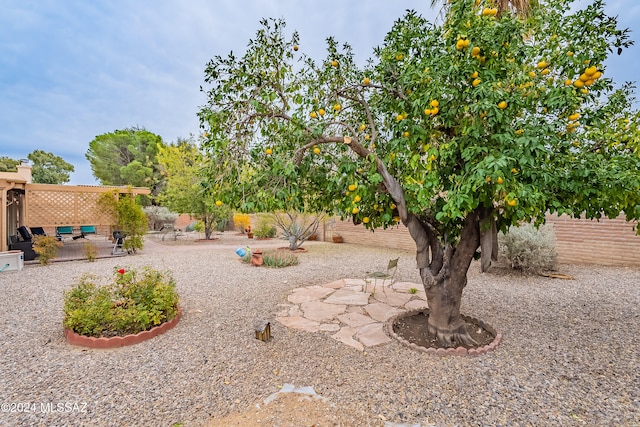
x=64, y=208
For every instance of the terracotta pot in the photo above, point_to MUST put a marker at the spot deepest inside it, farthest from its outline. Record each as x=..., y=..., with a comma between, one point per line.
x=337, y=239
x=250, y=235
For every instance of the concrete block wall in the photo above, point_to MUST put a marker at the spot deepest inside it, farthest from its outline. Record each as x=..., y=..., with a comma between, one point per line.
x=611, y=242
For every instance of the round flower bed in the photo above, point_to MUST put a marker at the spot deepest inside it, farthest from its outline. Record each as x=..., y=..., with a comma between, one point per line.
x=135, y=306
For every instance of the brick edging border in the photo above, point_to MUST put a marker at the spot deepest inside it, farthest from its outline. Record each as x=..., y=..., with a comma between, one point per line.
x=114, y=342
x=459, y=351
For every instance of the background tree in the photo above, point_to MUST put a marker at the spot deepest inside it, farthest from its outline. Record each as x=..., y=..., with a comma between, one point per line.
x=457, y=130
x=47, y=168
x=126, y=157
x=183, y=166
x=7, y=164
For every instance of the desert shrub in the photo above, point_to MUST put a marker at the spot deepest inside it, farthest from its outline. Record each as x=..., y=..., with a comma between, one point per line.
x=46, y=247
x=274, y=258
x=528, y=248
x=134, y=301
x=241, y=221
x=90, y=251
x=279, y=259
x=159, y=216
x=265, y=228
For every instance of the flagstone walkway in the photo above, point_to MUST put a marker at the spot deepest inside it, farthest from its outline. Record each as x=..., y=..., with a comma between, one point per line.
x=353, y=309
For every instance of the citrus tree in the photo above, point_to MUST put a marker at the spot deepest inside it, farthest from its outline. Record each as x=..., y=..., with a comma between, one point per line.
x=458, y=130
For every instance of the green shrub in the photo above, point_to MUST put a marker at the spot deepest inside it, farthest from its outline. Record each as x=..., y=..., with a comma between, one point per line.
x=279, y=258
x=265, y=229
x=528, y=248
x=90, y=251
x=133, y=302
x=46, y=247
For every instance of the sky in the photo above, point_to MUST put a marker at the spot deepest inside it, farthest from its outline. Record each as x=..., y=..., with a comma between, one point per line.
x=74, y=69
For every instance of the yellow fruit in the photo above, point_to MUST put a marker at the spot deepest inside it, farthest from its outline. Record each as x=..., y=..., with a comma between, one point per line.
x=578, y=83
x=316, y=150
x=427, y=111
x=367, y=137
x=206, y=134
x=269, y=151
x=355, y=211
x=519, y=131
x=512, y=202
x=545, y=72
x=542, y=64
x=574, y=116
x=337, y=107
x=399, y=57
x=486, y=11
x=321, y=112
x=460, y=44
x=432, y=157
x=584, y=90
x=353, y=187
x=569, y=53
x=475, y=83
x=366, y=81
x=584, y=77
x=392, y=205
x=357, y=199
x=313, y=115
x=334, y=63
x=434, y=111
x=576, y=143
x=488, y=179
x=474, y=75
x=399, y=117
x=218, y=202
x=405, y=134
x=596, y=75
x=362, y=127
x=532, y=74
x=475, y=51
x=567, y=82
x=590, y=71
x=366, y=219
x=434, y=103
x=502, y=105
x=499, y=180
x=295, y=47
x=514, y=170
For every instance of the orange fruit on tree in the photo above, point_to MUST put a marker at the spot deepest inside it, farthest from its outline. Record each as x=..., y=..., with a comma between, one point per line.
x=574, y=116
x=434, y=103
x=512, y=202
x=366, y=81
x=578, y=83
x=355, y=211
x=406, y=134
x=321, y=112
x=337, y=107
x=357, y=199
x=218, y=202
x=334, y=63
x=366, y=220
x=475, y=83
x=499, y=180
x=542, y=64
x=399, y=117
x=313, y=115
x=295, y=47
x=502, y=105
x=362, y=127
x=316, y=150
x=269, y=151
x=474, y=75
x=475, y=51
x=399, y=57
x=353, y=187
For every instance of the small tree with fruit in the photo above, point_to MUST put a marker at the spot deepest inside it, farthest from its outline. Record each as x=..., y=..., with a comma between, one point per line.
x=458, y=129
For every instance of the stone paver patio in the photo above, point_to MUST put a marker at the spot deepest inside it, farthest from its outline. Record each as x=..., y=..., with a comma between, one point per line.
x=354, y=310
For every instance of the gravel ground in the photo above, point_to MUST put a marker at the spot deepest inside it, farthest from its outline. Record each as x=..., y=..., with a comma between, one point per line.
x=569, y=356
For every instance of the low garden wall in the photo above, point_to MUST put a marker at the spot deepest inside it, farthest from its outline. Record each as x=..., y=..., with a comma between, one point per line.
x=611, y=242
